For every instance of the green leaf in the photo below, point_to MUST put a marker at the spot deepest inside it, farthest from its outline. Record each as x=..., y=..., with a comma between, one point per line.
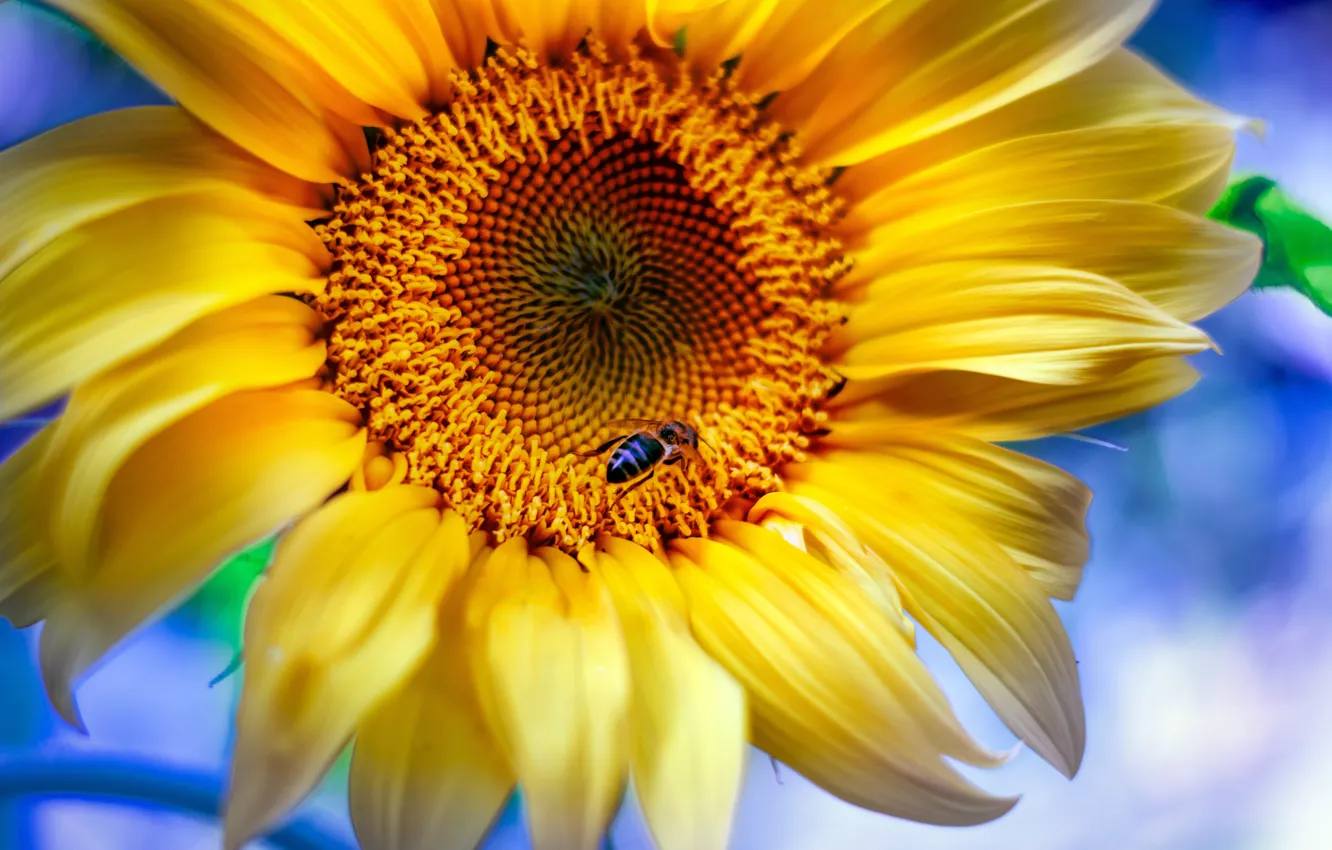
x=1297, y=250
x=218, y=607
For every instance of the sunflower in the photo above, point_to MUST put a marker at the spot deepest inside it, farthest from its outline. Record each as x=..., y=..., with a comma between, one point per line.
x=391, y=271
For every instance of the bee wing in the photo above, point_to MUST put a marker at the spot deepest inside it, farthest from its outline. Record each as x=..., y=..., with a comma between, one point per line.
x=602, y=448
x=635, y=424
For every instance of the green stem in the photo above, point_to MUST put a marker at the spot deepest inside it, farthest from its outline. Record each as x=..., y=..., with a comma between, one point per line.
x=121, y=781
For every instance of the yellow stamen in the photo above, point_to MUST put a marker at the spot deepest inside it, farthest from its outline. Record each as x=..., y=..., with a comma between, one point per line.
x=567, y=245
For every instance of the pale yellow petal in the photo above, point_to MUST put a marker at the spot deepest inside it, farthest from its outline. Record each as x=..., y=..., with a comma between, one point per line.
x=970, y=594
x=1189, y=266
x=119, y=285
x=823, y=534
x=1029, y=323
x=1121, y=90
x=347, y=614
x=1036, y=512
x=27, y=562
x=425, y=773
x=834, y=690
x=1001, y=409
x=919, y=67
x=264, y=343
x=210, y=484
x=553, y=679
x=214, y=72
x=690, y=724
x=1154, y=163
x=99, y=165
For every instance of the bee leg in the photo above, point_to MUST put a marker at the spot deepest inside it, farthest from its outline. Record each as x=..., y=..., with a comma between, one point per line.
x=836, y=388
x=677, y=468
x=639, y=483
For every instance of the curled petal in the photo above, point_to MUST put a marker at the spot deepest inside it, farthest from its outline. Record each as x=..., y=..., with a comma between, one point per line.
x=426, y=773
x=347, y=614
x=836, y=543
x=690, y=722
x=1122, y=90
x=553, y=680
x=214, y=482
x=973, y=597
x=1030, y=323
x=101, y=294
x=834, y=690
x=192, y=49
x=101, y=164
x=919, y=67
x=999, y=409
x=263, y=343
x=1139, y=163
x=28, y=575
x=1188, y=266
x=1035, y=511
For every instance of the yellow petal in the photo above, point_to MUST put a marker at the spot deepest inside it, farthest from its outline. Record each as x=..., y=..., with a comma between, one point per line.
x=834, y=542
x=919, y=67
x=264, y=343
x=27, y=564
x=347, y=614
x=1121, y=90
x=716, y=30
x=121, y=284
x=1001, y=409
x=553, y=680
x=970, y=595
x=796, y=38
x=213, y=71
x=466, y=25
x=210, y=484
x=416, y=19
x=347, y=52
x=426, y=773
x=1043, y=325
x=554, y=27
x=690, y=725
x=1036, y=512
x=1188, y=266
x=617, y=23
x=1147, y=163
x=834, y=690
x=99, y=165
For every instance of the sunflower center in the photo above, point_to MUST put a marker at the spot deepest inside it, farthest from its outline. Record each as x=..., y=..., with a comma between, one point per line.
x=569, y=245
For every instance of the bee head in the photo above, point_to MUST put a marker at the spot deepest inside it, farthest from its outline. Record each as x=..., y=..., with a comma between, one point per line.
x=676, y=433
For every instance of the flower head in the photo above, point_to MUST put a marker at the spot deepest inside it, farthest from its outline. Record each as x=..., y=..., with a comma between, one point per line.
x=631, y=391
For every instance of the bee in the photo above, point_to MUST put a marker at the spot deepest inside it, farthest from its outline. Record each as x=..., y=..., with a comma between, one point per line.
x=651, y=443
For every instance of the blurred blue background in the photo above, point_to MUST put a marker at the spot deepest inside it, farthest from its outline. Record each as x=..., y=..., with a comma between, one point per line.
x=1202, y=628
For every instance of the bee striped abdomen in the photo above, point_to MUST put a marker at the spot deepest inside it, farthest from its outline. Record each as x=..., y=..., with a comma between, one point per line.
x=632, y=458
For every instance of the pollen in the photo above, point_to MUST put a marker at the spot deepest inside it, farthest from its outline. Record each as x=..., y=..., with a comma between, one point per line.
x=563, y=245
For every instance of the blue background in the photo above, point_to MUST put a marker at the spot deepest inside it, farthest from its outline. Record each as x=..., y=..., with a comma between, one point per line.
x=1201, y=629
